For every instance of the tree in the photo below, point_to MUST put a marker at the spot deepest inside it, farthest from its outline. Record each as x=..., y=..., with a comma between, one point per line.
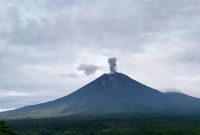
x=5, y=130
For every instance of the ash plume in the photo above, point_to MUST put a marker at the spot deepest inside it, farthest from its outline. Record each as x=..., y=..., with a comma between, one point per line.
x=112, y=63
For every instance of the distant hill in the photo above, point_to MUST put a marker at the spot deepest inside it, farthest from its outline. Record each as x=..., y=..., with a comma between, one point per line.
x=110, y=93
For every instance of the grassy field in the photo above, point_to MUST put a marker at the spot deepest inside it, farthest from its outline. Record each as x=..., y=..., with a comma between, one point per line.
x=124, y=124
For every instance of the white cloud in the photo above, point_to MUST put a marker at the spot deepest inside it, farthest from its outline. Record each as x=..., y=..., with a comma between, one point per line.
x=2, y=109
x=4, y=93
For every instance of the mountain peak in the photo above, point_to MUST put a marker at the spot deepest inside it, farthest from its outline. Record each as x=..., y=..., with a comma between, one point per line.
x=110, y=93
x=114, y=78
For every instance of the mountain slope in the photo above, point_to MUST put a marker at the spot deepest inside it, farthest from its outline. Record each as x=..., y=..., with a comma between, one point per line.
x=187, y=103
x=110, y=93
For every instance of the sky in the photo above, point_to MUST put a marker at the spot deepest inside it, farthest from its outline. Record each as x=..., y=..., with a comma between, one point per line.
x=50, y=48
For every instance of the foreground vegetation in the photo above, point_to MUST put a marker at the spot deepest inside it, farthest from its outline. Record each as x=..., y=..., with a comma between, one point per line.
x=110, y=125
x=5, y=130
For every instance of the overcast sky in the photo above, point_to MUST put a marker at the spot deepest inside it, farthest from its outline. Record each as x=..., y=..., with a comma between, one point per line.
x=50, y=48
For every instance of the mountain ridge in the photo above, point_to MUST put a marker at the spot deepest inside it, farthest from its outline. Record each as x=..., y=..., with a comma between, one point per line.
x=110, y=93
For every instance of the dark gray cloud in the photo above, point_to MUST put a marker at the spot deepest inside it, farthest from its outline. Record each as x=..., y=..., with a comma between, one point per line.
x=43, y=40
x=88, y=69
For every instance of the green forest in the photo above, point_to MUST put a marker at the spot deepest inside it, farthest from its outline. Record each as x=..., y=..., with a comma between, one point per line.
x=108, y=125
x=5, y=130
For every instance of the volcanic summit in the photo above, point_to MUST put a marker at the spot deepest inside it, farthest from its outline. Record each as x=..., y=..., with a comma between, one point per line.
x=110, y=93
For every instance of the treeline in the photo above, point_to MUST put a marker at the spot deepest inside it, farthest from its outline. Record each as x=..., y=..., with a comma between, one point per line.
x=158, y=125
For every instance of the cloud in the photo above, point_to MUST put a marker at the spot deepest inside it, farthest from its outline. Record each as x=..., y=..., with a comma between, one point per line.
x=88, y=69
x=4, y=109
x=4, y=93
x=71, y=75
x=39, y=40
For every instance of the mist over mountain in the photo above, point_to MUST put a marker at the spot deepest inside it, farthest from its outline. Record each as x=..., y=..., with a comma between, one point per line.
x=110, y=93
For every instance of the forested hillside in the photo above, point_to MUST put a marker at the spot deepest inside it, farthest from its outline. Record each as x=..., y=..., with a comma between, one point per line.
x=123, y=125
x=5, y=130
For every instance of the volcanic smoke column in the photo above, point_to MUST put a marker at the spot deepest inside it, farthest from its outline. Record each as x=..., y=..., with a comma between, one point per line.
x=112, y=63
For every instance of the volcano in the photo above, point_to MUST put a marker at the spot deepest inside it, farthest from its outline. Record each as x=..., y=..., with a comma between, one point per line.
x=110, y=93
